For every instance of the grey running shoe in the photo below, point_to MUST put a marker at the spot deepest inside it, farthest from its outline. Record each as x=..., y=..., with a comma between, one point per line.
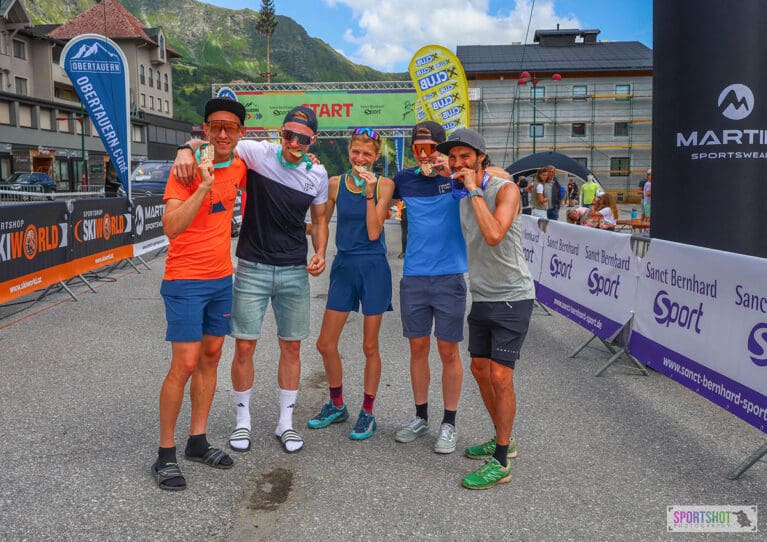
x=447, y=438
x=416, y=428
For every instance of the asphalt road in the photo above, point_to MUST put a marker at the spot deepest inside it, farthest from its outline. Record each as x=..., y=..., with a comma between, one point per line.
x=599, y=458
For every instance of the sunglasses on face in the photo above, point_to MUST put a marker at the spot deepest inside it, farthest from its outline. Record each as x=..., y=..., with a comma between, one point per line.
x=372, y=134
x=231, y=128
x=427, y=148
x=302, y=139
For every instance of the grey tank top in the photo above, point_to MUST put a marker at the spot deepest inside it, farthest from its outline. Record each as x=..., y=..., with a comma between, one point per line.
x=496, y=273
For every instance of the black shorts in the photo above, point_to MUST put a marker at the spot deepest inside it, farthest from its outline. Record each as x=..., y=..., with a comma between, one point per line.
x=497, y=329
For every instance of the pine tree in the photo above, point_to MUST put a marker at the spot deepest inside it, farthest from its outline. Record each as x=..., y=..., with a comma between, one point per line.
x=265, y=24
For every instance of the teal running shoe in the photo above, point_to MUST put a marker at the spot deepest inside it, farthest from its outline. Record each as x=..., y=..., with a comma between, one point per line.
x=366, y=424
x=329, y=414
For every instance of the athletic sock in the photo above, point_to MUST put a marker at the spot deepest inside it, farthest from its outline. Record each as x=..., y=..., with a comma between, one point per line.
x=197, y=445
x=422, y=411
x=337, y=396
x=501, y=454
x=242, y=400
x=166, y=455
x=449, y=417
x=287, y=403
x=367, y=402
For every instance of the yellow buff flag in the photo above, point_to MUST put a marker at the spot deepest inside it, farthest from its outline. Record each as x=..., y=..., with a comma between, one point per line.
x=443, y=93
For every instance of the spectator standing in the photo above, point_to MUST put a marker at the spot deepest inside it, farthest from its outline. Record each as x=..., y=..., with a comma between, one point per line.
x=647, y=196
x=539, y=200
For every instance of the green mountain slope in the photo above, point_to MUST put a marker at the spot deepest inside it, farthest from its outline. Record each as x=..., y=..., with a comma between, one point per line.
x=221, y=45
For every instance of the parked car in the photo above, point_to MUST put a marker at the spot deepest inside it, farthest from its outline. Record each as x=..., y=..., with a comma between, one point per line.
x=149, y=178
x=29, y=182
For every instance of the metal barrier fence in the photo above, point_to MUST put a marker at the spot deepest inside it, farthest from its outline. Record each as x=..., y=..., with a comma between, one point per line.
x=26, y=194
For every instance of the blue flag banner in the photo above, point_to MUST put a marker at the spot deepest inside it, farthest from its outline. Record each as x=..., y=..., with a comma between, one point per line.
x=399, y=150
x=98, y=70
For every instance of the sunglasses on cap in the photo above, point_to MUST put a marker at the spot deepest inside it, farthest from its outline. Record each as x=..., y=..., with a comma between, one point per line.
x=372, y=134
x=231, y=128
x=427, y=148
x=303, y=139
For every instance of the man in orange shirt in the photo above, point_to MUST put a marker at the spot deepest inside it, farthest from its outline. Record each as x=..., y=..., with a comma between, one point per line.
x=197, y=288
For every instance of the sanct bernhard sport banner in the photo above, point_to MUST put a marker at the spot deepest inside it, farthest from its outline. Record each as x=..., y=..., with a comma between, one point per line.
x=441, y=85
x=102, y=233
x=98, y=70
x=532, y=245
x=335, y=110
x=590, y=276
x=147, y=218
x=34, y=248
x=701, y=319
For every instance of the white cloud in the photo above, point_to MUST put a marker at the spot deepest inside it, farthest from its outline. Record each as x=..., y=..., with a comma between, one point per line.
x=386, y=34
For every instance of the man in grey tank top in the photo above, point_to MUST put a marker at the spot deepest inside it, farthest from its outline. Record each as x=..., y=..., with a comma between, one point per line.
x=502, y=296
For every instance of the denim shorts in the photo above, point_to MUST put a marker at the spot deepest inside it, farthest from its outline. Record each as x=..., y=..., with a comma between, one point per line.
x=197, y=307
x=497, y=329
x=287, y=286
x=440, y=299
x=360, y=278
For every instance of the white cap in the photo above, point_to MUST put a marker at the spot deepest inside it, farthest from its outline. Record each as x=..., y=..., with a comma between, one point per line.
x=600, y=193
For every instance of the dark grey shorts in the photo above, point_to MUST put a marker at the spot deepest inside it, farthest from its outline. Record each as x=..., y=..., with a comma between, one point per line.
x=440, y=299
x=497, y=329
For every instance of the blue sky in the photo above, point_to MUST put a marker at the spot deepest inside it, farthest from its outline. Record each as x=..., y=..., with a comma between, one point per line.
x=384, y=34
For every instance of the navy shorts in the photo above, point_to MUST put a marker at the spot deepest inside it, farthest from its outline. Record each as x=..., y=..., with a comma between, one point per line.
x=440, y=299
x=497, y=329
x=197, y=307
x=360, y=278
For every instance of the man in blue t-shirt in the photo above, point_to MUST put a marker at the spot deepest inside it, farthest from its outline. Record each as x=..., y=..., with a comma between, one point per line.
x=432, y=289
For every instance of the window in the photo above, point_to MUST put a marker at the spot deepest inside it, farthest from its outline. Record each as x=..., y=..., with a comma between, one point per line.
x=622, y=93
x=62, y=124
x=536, y=131
x=143, y=100
x=157, y=79
x=45, y=119
x=619, y=167
x=19, y=49
x=5, y=112
x=165, y=76
x=150, y=77
x=621, y=129
x=21, y=86
x=167, y=106
x=582, y=161
x=580, y=93
x=578, y=129
x=25, y=116
x=537, y=92
x=137, y=134
x=5, y=167
x=161, y=45
x=141, y=76
x=151, y=102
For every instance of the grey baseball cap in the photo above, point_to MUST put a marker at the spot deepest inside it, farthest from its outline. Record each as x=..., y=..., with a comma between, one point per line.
x=464, y=137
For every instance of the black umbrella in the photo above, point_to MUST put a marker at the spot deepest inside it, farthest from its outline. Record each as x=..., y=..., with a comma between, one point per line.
x=529, y=164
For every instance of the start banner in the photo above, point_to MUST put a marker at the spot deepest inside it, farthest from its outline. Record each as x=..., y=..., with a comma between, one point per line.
x=590, y=276
x=701, y=319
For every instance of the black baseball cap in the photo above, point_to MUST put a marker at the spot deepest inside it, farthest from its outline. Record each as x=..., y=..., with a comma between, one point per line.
x=464, y=137
x=311, y=118
x=436, y=132
x=225, y=104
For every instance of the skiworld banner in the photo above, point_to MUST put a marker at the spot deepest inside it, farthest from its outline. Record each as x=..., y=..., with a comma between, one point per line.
x=701, y=319
x=98, y=70
x=440, y=82
x=532, y=245
x=590, y=276
x=102, y=231
x=710, y=123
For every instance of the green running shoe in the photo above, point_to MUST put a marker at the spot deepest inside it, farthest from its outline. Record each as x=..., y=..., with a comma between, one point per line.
x=486, y=449
x=488, y=475
x=329, y=414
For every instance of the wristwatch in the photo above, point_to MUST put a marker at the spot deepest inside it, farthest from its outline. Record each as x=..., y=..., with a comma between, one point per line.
x=476, y=192
x=184, y=146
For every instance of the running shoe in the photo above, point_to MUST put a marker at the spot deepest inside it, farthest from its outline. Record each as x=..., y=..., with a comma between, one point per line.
x=488, y=475
x=447, y=439
x=329, y=414
x=416, y=428
x=487, y=449
x=366, y=424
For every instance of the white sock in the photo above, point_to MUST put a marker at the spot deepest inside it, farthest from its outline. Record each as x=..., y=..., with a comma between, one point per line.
x=242, y=400
x=287, y=402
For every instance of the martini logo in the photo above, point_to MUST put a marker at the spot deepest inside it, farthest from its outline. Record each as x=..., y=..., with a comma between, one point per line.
x=757, y=344
x=139, y=220
x=736, y=101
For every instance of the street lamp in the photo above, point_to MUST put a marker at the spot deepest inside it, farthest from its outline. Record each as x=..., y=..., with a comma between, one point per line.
x=524, y=78
x=79, y=118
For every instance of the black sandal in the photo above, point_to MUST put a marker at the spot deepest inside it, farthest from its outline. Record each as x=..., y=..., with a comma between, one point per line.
x=213, y=457
x=168, y=476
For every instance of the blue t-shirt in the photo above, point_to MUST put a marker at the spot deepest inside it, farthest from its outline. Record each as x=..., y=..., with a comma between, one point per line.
x=435, y=244
x=352, y=228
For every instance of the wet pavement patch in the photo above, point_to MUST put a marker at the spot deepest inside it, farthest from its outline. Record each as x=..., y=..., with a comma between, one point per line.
x=272, y=489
